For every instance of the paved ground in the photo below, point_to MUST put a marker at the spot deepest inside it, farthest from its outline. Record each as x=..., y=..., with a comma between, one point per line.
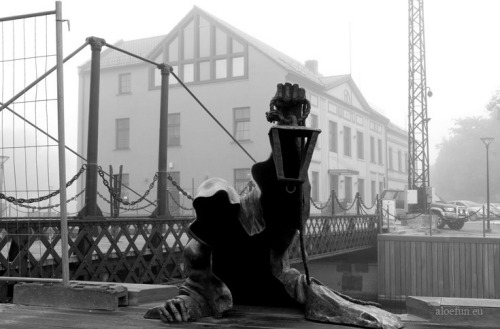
x=27, y=317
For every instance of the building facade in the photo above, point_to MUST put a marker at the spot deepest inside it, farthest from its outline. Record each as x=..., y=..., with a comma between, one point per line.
x=235, y=76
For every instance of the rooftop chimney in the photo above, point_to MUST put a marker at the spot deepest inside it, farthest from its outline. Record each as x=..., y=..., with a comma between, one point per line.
x=312, y=65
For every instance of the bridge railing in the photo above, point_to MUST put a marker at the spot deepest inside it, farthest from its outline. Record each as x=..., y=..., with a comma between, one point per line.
x=330, y=235
x=145, y=250
x=135, y=250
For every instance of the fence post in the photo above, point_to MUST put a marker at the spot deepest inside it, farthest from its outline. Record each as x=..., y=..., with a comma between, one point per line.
x=162, y=208
x=388, y=220
x=91, y=209
x=484, y=230
x=357, y=198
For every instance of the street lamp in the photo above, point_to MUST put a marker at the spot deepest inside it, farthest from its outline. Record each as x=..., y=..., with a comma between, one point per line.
x=487, y=141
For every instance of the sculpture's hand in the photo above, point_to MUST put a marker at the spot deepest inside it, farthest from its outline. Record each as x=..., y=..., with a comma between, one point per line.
x=289, y=106
x=174, y=310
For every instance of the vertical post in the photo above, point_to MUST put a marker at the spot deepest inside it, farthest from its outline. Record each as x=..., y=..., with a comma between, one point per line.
x=112, y=183
x=487, y=141
x=162, y=209
x=61, y=145
x=488, y=228
x=93, y=129
x=380, y=214
x=484, y=232
x=388, y=220
x=358, y=202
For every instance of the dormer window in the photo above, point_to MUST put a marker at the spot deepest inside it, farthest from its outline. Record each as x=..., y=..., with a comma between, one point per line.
x=202, y=51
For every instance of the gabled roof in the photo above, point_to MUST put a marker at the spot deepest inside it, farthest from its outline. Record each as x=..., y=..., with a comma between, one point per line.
x=151, y=47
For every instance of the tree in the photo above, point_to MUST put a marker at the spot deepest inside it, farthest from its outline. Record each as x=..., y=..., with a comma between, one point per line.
x=460, y=168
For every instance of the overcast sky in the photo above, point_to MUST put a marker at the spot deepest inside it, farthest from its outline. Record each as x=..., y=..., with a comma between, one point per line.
x=462, y=48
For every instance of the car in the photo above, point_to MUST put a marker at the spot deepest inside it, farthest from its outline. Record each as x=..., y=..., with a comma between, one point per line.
x=494, y=209
x=446, y=213
x=474, y=209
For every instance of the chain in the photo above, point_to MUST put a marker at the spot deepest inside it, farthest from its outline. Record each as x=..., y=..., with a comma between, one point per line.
x=177, y=203
x=45, y=197
x=340, y=205
x=51, y=206
x=117, y=197
x=123, y=208
x=326, y=203
x=364, y=206
x=174, y=183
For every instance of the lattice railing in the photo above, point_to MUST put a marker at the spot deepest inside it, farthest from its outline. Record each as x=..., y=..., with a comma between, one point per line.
x=136, y=250
x=327, y=235
x=145, y=250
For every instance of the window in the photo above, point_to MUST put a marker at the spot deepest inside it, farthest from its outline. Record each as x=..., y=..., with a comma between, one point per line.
x=374, y=190
x=241, y=178
x=238, y=66
x=348, y=189
x=380, y=158
x=334, y=183
x=220, y=42
x=315, y=125
x=124, y=83
x=204, y=71
x=315, y=185
x=173, y=195
x=174, y=129
x=189, y=72
x=242, y=123
x=372, y=149
x=122, y=133
x=347, y=141
x=333, y=136
x=189, y=40
x=204, y=37
x=204, y=52
x=380, y=187
x=360, y=140
x=221, y=68
x=332, y=108
x=390, y=159
x=406, y=162
x=400, y=165
x=361, y=188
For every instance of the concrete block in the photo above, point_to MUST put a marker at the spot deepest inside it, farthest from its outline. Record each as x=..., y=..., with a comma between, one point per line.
x=79, y=296
x=139, y=293
x=468, y=312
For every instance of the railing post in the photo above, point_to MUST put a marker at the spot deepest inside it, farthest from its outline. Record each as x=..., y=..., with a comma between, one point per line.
x=162, y=208
x=91, y=209
x=358, y=201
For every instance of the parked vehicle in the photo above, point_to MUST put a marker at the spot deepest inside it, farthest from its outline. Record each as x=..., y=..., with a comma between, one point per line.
x=447, y=213
x=474, y=209
x=494, y=209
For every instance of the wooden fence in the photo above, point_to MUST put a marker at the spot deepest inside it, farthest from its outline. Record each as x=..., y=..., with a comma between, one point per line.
x=466, y=267
x=145, y=250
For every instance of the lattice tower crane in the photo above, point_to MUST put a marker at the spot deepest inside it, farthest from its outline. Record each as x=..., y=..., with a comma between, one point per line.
x=418, y=137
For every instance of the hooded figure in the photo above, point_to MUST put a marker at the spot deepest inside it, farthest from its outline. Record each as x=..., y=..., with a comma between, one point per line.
x=238, y=250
